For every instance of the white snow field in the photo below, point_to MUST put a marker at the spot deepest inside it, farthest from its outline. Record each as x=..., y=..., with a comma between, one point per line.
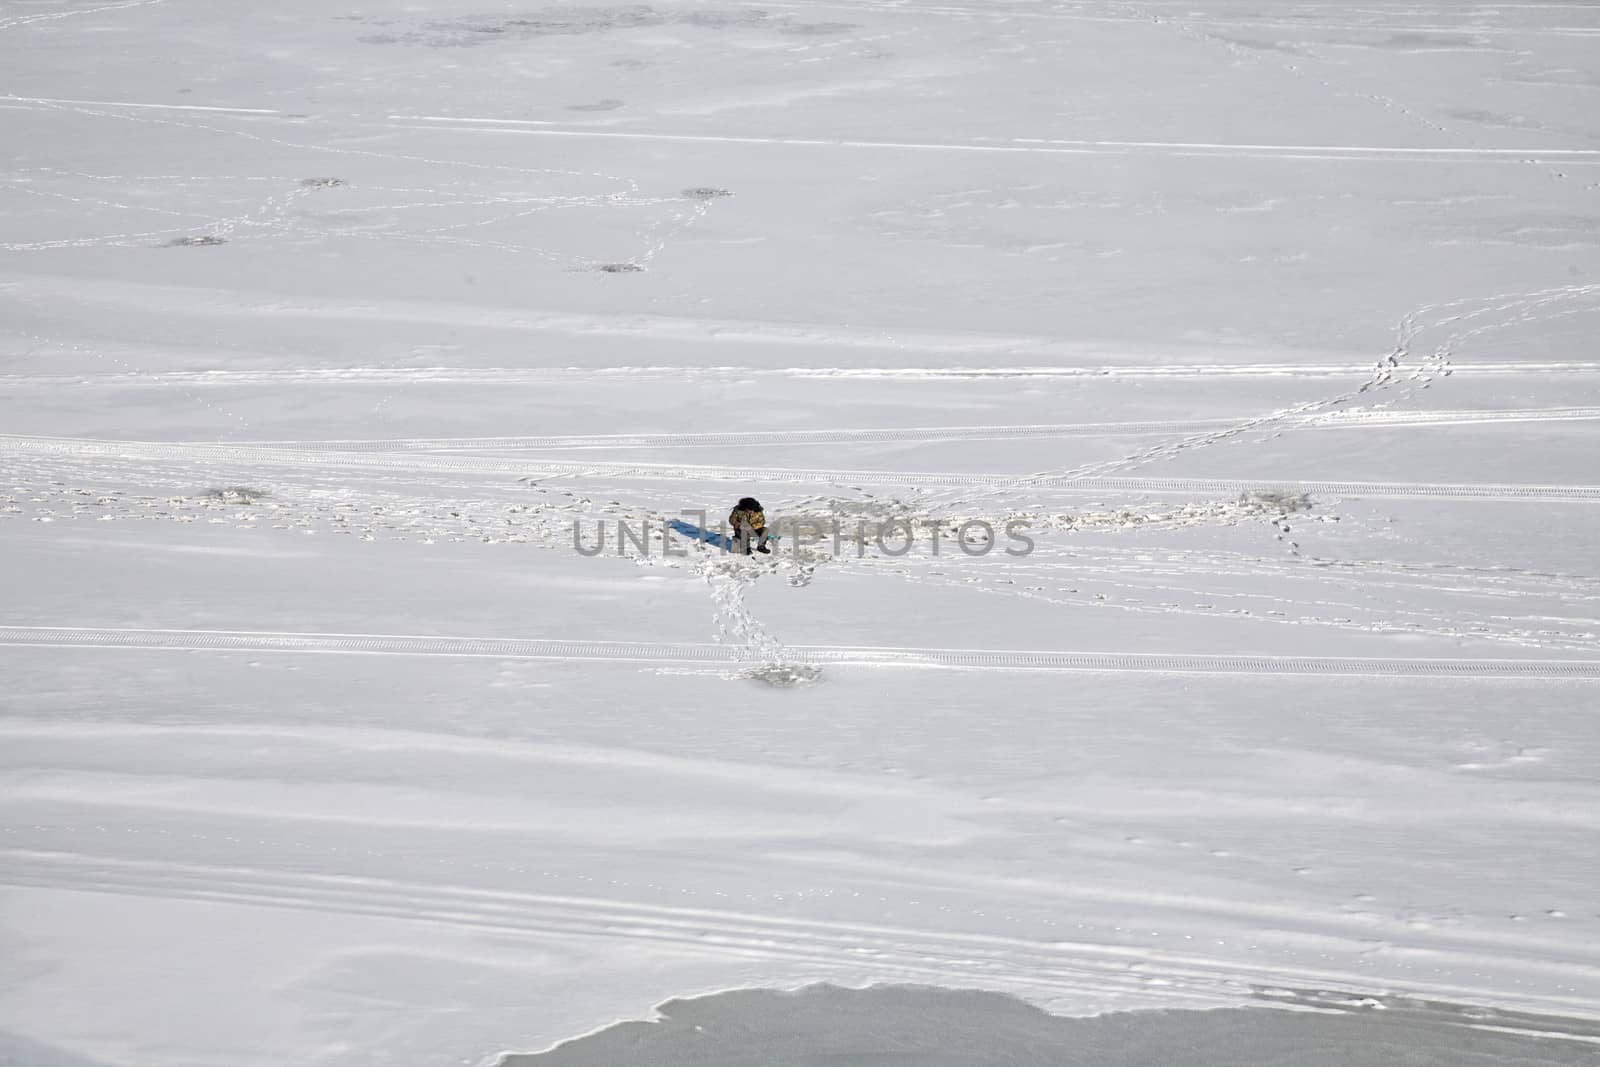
x=320, y=327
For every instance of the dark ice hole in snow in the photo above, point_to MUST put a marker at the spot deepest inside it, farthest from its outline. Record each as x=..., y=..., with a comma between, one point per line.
x=784, y=675
x=1287, y=501
x=931, y=1027
x=235, y=494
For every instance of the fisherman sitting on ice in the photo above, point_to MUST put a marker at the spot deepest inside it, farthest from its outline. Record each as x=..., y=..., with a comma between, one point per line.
x=748, y=521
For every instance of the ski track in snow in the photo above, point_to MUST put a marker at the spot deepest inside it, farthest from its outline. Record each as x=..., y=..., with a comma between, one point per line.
x=1053, y=967
x=1337, y=420
x=216, y=458
x=1203, y=591
x=1581, y=157
x=501, y=126
x=531, y=442
x=970, y=659
x=1473, y=18
x=492, y=376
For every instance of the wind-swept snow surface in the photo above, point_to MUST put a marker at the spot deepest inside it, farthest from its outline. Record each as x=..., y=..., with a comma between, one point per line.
x=329, y=337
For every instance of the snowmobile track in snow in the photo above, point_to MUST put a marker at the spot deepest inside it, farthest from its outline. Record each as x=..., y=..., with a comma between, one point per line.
x=534, y=470
x=867, y=656
x=1045, y=146
x=483, y=376
x=843, y=947
x=1186, y=16
x=1336, y=420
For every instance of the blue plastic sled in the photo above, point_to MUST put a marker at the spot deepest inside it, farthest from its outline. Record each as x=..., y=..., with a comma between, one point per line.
x=710, y=537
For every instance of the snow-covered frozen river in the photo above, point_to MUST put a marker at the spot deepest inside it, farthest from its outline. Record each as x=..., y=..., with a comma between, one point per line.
x=1275, y=325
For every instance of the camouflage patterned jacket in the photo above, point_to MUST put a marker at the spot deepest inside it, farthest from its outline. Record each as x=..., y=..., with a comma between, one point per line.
x=756, y=519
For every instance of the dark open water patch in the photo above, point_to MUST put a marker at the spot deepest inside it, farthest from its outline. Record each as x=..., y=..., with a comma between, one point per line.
x=914, y=1026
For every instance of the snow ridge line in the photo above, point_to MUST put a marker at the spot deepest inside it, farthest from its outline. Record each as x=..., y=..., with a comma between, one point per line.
x=846, y=947
x=664, y=652
x=589, y=375
x=1051, y=146
x=1333, y=420
x=1179, y=16
x=536, y=469
x=782, y=437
